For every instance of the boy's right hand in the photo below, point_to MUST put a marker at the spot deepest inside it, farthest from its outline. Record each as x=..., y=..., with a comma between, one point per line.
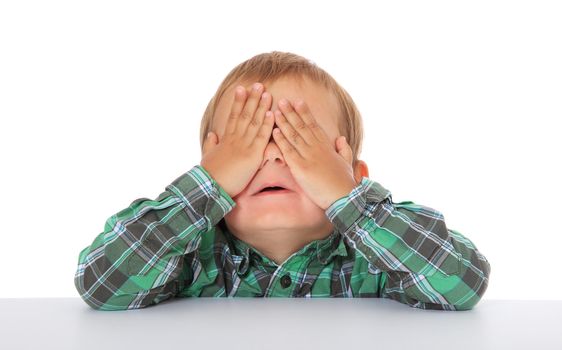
x=233, y=161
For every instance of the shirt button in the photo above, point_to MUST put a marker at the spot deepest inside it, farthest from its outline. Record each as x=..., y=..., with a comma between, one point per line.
x=285, y=281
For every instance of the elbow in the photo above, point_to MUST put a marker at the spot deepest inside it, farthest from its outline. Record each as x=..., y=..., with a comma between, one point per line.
x=474, y=287
x=472, y=284
x=96, y=298
x=459, y=292
x=85, y=295
x=478, y=286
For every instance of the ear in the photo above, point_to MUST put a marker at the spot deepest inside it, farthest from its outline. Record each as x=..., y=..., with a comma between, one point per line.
x=360, y=170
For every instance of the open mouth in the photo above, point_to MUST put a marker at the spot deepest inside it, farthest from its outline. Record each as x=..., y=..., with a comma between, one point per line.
x=273, y=190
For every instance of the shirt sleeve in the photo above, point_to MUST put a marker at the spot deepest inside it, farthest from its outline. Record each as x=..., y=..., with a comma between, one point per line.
x=137, y=260
x=424, y=264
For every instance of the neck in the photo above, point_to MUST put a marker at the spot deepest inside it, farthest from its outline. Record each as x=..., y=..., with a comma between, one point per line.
x=280, y=244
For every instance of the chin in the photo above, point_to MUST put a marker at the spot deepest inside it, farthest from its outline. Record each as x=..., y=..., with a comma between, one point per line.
x=294, y=218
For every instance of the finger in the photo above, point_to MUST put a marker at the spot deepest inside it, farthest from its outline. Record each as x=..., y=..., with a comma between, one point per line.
x=237, y=106
x=344, y=149
x=289, y=133
x=289, y=152
x=249, y=109
x=264, y=132
x=296, y=122
x=258, y=120
x=209, y=142
x=315, y=129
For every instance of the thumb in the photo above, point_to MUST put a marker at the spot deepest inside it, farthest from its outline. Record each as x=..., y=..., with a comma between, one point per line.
x=210, y=142
x=344, y=149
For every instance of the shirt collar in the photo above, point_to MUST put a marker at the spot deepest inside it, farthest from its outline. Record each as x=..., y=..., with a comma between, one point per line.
x=324, y=249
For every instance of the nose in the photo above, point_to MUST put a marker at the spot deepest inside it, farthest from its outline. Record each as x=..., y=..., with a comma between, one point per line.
x=272, y=154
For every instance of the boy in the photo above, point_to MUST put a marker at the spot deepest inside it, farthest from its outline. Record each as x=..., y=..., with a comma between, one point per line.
x=280, y=206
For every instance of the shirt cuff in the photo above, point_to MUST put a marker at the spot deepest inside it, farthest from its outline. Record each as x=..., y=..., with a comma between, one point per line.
x=202, y=194
x=360, y=202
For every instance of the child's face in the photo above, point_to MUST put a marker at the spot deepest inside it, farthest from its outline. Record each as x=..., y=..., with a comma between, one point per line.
x=281, y=212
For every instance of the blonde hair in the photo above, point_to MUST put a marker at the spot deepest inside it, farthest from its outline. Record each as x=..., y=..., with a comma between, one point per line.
x=268, y=67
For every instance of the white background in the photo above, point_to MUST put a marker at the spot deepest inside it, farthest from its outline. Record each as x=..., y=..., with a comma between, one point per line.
x=100, y=104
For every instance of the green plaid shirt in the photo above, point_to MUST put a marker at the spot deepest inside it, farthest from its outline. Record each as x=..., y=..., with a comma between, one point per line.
x=178, y=246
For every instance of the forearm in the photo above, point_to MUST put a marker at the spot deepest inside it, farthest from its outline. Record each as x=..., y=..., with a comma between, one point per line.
x=138, y=259
x=425, y=263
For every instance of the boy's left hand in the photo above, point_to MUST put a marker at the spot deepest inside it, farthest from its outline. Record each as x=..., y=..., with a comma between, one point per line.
x=324, y=172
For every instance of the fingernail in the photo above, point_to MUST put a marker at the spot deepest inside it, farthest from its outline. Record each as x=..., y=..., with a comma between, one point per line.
x=208, y=134
x=257, y=86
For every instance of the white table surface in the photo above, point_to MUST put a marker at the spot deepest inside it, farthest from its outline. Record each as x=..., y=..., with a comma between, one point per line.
x=278, y=323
